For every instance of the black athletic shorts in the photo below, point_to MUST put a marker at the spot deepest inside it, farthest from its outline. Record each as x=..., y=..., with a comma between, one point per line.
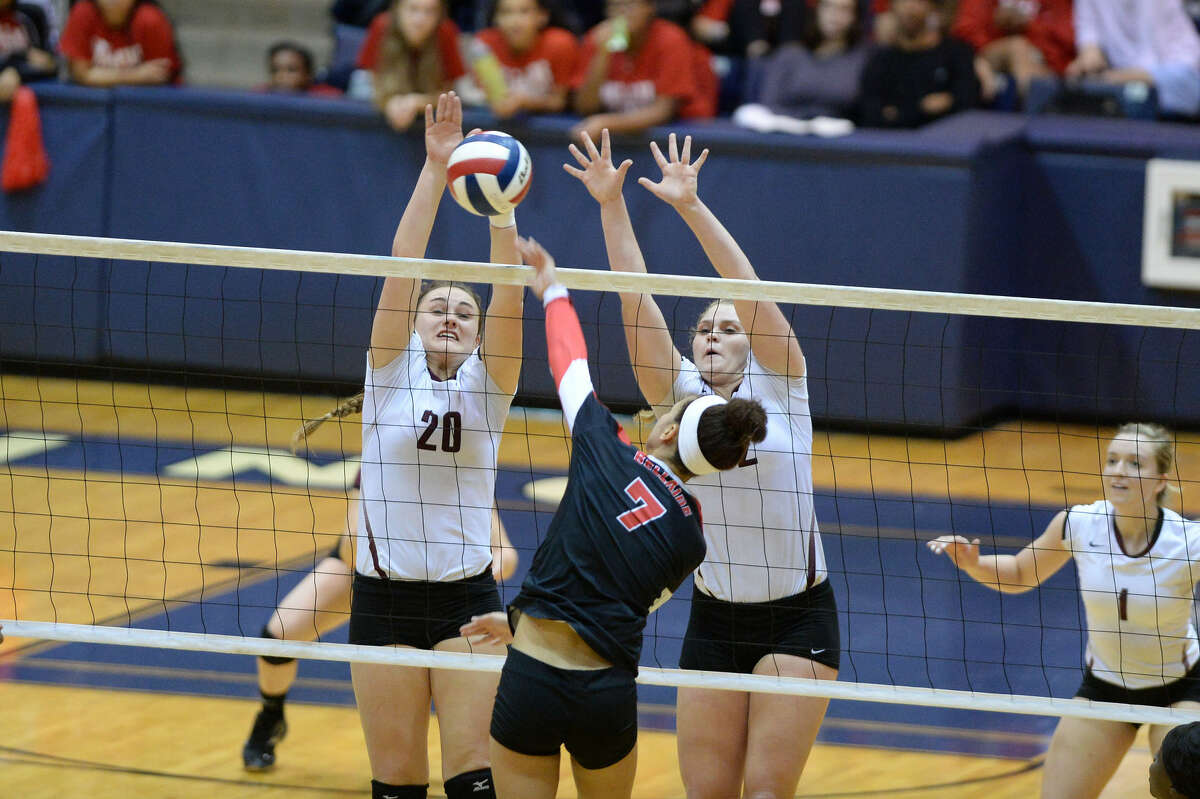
x=734, y=636
x=1185, y=689
x=540, y=708
x=416, y=613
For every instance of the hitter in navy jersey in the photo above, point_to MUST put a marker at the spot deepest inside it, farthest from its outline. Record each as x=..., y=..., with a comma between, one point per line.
x=625, y=536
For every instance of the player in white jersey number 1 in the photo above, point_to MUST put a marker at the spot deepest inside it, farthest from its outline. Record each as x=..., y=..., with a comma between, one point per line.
x=1138, y=564
x=764, y=574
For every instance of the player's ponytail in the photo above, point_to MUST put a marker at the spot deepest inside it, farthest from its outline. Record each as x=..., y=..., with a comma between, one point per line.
x=347, y=408
x=726, y=431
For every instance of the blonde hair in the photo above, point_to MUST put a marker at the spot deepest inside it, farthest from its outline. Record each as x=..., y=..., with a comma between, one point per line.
x=1162, y=443
x=349, y=407
x=405, y=68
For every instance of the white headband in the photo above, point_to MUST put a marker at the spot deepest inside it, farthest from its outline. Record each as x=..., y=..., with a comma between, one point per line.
x=689, y=445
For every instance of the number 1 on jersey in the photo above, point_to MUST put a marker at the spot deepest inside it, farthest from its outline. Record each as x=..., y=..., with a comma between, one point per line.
x=646, y=509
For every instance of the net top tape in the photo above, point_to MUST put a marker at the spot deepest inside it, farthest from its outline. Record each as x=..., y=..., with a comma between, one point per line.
x=597, y=280
x=461, y=661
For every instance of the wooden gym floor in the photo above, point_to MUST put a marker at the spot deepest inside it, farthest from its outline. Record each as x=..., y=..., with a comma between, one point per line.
x=163, y=506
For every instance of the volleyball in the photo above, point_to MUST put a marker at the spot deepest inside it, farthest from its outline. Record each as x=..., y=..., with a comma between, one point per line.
x=489, y=173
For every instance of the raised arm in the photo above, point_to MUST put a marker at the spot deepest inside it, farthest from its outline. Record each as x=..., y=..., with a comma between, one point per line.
x=565, y=345
x=771, y=337
x=652, y=353
x=397, y=302
x=502, y=345
x=1010, y=574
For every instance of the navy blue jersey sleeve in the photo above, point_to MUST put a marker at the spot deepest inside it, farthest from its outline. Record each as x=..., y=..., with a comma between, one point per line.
x=596, y=419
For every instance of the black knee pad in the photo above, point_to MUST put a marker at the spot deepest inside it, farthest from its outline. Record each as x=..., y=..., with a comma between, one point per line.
x=274, y=661
x=471, y=785
x=381, y=790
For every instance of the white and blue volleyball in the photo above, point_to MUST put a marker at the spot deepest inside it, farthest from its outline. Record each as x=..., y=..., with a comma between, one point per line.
x=489, y=173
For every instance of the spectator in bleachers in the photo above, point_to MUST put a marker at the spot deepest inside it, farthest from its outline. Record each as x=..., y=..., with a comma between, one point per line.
x=1024, y=38
x=290, y=70
x=412, y=53
x=1150, y=41
x=924, y=76
x=750, y=28
x=637, y=71
x=120, y=42
x=536, y=59
x=884, y=21
x=821, y=76
x=24, y=47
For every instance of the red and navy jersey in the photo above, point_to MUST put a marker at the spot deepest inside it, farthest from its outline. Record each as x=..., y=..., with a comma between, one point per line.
x=626, y=533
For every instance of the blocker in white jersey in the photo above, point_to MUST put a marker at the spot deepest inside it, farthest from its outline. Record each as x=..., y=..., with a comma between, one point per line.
x=762, y=603
x=763, y=542
x=1139, y=604
x=1138, y=565
x=625, y=535
x=441, y=373
x=428, y=469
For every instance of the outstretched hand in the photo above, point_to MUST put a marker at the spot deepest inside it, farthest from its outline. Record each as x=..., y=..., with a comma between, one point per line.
x=443, y=128
x=603, y=181
x=535, y=255
x=490, y=628
x=680, y=176
x=964, y=553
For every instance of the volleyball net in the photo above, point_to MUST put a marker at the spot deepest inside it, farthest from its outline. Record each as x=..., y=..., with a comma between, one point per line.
x=153, y=498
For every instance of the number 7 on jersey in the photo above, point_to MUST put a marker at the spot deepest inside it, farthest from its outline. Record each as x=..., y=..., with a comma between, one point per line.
x=646, y=507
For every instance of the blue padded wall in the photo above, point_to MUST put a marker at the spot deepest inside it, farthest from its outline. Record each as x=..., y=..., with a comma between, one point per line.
x=987, y=203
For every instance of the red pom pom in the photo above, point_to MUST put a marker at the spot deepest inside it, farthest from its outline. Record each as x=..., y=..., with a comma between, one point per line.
x=25, y=161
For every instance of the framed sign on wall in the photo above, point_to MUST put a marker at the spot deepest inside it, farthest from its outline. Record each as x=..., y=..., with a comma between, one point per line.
x=1171, y=225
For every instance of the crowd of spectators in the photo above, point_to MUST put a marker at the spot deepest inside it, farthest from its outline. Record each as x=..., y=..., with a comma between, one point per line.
x=881, y=63
x=627, y=65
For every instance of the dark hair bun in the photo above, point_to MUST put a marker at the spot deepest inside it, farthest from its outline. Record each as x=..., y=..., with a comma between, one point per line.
x=725, y=431
x=746, y=420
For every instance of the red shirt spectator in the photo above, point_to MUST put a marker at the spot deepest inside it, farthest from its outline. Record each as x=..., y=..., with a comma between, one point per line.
x=412, y=53
x=667, y=64
x=1049, y=28
x=141, y=50
x=523, y=61
x=550, y=63
x=447, y=42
